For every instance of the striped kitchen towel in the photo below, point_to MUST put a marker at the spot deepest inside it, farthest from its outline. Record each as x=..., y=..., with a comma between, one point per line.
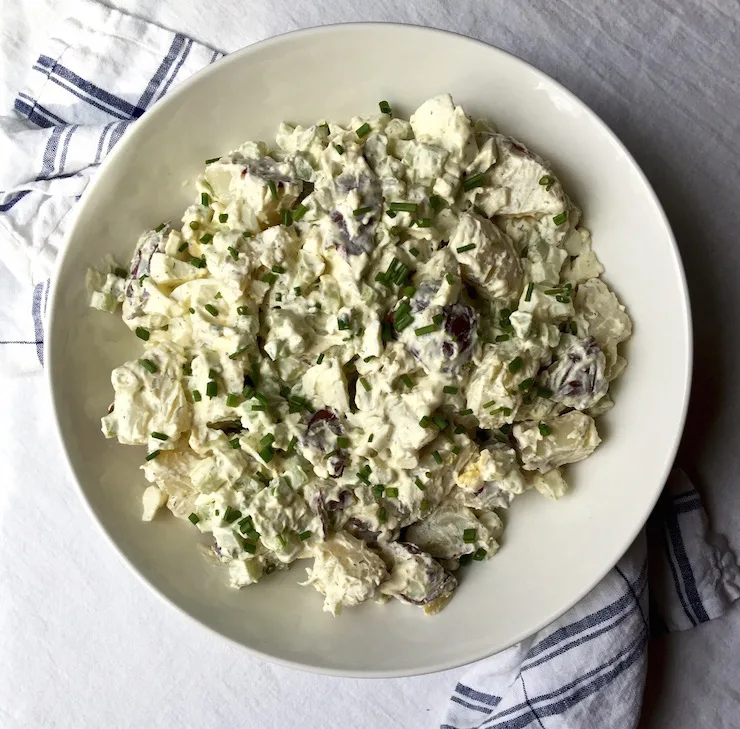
x=96, y=76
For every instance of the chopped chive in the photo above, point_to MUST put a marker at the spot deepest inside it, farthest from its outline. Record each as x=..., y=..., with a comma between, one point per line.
x=419, y=483
x=382, y=515
x=242, y=310
x=468, y=247
x=547, y=181
x=502, y=338
x=211, y=309
x=424, y=505
x=159, y=228
x=297, y=291
x=342, y=324
x=342, y=441
x=505, y=429
x=450, y=279
x=212, y=160
x=197, y=397
x=270, y=278
x=475, y=181
x=159, y=436
x=249, y=547
x=212, y=389
x=148, y=365
x=386, y=331
x=544, y=392
x=414, y=252
x=456, y=450
x=194, y=518
x=198, y=262
x=205, y=199
x=212, y=373
x=223, y=217
x=233, y=253
x=525, y=385
x=392, y=214
x=370, y=437
x=407, y=381
x=489, y=404
x=467, y=411
x=362, y=211
x=528, y=295
x=234, y=444
x=465, y=559
x=424, y=223
x=506, y=412
x=246, y=235
x=187, y=369
x=267, y=440
x=363, y=131
x=303, y=536
x=278, y=269
x=438, y=318
x=292, y=444
x=286, y=218
x=299, y=212
x=440, y=422
x=391, y=492
x=194, y=225
x=339, y=148
x=267, y=453
x=469, y=536
x=232, y=400
x=153, y=455
x=515, y=365
x=424, y=422
x=480, y=555
x=436, y=203
x=120, y=272
x=142, y=333
x=273, y=189
x=182, y=247
x=365, y=384
x=561, y=218
x=378, y=490
x=231, y=515
x=437, y=457
x=458, y=429
x=450, y=389
x=409, y=291
x=428, y=329
x=385, y=107
x=403, y=207
x=544, y=429
x=573, y=327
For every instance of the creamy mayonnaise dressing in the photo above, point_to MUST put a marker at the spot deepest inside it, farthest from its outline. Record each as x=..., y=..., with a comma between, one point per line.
x=359, y=345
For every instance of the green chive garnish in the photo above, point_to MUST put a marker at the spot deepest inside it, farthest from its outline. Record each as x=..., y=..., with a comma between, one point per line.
x=391, y=492
x=407, y=381
x=421, y=331
x=450, y=389
x=449, y=278
x=436, y=203
x=212, y=389
x=378, y=490
x=414, y=252
x=159, y=228
x=142, y=333
x=232, y=400
x=286, y=218
x=197, y=397
x=419, y=483
x=362, y=211
x=212, y=160
x=385, y=107
x=382, y=515
x=528, y=295
x=544, y=392
x=363, y=131
x=561, y=218
x=270, y=278
x=525, y=385
x=148, y=365
x=211, y=309
x=515, y=365
x=424, y=422
x=249, y=547
x=409, y=291
x=120, y=272
x=468, y=247
x=242, y=310
x=339, y=148
x=480, y=555
x=475, y=181
x=403, y=207
x=545, y=429
x=205, y=199
x=223, y=217
x=273, y=189
x=547, y=181
x=198, y=262
x=573, y=327
x=291, y=445
x=234, y=444
x=502, y=338
x=159, y=436
x=299, y=212
x=440, y=422
x=370, y=437
x=469, y=536
x=267, y=453
x=342, y=441
x=365, y=384
x=205, y=239
x=303, y=536
x=437, y=457
x=438, y=318
x=153, y=455
x=458, y=430
x=465, y=412
x=194, y=518
x=489, y=404
x=182, y=247
x=233, y=253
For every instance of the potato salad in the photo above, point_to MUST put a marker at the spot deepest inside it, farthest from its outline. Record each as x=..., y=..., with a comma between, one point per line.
x=360, y=344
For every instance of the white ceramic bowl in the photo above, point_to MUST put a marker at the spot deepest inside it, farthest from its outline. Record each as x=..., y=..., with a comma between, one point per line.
x=553, y=552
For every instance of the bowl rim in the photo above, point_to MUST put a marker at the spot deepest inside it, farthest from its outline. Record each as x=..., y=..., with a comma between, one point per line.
x=131, y=137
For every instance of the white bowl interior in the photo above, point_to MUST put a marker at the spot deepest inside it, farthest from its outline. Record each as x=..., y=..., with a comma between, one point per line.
x=552, y=553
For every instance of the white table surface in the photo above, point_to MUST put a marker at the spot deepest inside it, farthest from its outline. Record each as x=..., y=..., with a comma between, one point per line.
x=84, y=644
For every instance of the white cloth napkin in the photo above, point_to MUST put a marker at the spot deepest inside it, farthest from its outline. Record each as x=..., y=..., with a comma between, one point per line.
x=95, y=77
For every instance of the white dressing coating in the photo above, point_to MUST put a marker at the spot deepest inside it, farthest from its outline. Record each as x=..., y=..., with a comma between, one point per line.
x=359, y=345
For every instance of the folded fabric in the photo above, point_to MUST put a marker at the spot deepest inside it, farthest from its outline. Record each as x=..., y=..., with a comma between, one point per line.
x=96, y=76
